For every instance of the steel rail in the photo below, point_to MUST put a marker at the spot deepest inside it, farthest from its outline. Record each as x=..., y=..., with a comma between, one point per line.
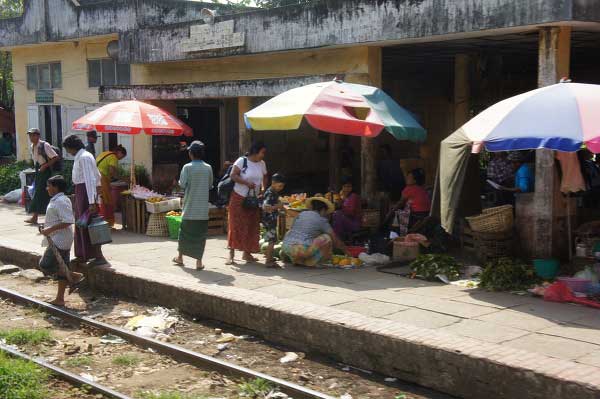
x=64, y=374
x=174, y=351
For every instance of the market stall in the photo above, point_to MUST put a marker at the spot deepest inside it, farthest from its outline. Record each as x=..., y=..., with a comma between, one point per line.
x=561, y=118
x=340, y=108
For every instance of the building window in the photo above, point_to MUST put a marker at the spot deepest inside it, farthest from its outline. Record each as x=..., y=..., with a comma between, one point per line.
x=44, y=76
x=108, y=72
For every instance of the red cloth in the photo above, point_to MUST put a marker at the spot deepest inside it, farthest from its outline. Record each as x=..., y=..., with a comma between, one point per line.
x=417, y=197
x=244, y=226
x=351, y=207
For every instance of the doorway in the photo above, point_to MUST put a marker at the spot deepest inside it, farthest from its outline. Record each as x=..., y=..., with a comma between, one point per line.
x=50, y=122
x=169, y=153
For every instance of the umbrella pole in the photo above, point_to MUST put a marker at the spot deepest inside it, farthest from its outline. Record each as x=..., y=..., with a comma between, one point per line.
x=132, y=171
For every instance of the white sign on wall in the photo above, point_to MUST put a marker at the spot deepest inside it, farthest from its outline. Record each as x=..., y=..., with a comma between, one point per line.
x=215, y=36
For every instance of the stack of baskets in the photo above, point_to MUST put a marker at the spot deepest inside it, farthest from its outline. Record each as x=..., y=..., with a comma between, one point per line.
x=157, y=225
x=490, y=235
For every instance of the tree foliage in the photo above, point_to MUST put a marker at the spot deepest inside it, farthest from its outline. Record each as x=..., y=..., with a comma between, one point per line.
x=8, y=9
x=11, y=8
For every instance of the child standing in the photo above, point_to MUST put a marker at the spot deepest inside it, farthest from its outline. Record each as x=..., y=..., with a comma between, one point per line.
x=58, y=227
x=271, y=208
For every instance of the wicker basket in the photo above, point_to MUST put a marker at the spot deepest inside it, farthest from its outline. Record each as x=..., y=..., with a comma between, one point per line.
x=157, y=225
x=493, y=220
x=371, y=218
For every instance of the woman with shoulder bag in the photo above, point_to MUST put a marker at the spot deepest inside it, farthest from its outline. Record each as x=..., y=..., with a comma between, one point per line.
x=250, y=176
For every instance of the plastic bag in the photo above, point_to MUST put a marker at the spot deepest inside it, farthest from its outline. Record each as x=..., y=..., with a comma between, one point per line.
x=560, y=292
x=587, y=274
x=13, y=196
x=84, y=220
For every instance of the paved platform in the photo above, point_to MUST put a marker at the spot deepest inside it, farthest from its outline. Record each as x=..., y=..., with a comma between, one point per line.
x=461, y=341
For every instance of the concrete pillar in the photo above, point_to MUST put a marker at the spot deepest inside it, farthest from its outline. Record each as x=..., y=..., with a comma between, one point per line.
x=553, y=64
x=368, y=145
x=244, y=105
x=334, y=162
x=462, y=89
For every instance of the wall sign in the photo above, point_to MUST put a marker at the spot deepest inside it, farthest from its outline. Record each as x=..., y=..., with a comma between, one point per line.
x=213, y=36
x=44, y=96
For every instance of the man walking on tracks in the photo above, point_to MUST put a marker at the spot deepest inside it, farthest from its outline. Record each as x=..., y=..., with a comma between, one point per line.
x=58, y=230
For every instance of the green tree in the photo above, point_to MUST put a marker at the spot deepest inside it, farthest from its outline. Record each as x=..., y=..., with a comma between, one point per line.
x=8, y=9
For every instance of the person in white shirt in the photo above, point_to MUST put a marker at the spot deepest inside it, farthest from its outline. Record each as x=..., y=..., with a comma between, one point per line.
x=43, y=156
x=58, y=227
x=250, y=176
x=86, y=179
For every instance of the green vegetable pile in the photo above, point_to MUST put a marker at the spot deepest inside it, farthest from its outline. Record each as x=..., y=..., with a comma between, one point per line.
x=9, y=176
x=506, y=274
x=429, y=266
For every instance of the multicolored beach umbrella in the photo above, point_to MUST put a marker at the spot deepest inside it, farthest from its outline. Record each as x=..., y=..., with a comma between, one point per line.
x=561, y=117
x=337, y=107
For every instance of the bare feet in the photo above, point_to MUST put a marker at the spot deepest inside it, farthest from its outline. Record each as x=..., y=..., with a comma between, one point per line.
x=199, y=265
x=57, y=302
x=32, y=221
x=230, y=261
x=272, y=264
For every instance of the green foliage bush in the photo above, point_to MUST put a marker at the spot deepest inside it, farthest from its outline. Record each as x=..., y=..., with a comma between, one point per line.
x=9, y=176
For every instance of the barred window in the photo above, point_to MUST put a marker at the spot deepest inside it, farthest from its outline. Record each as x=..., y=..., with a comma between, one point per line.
x=108, y=72
x=44, y=76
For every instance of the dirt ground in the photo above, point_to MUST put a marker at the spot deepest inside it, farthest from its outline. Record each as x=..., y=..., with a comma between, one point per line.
x=133, y=370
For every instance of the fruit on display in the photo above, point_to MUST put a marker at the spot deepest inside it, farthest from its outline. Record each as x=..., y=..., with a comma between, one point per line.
x=345, y=261
x=154, y=200
x=174, y=213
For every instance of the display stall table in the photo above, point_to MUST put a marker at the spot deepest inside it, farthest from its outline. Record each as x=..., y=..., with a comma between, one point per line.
x=134, y=214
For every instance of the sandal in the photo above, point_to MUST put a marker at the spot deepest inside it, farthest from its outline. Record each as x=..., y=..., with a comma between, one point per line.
x=97, y=262
x=177, y=262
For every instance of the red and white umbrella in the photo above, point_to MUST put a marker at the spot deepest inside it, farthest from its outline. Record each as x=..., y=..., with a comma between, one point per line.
x=132, y=117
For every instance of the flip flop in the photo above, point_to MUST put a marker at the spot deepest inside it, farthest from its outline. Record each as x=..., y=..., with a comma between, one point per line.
x=76, y=286
x=97, y=262
x=177, y=262
x=31, y=222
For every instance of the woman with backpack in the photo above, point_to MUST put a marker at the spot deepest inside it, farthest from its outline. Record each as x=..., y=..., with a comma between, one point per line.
x=44, y=157
x=250, y=176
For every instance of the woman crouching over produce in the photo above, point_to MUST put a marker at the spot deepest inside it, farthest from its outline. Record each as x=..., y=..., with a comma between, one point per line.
x=311, y=238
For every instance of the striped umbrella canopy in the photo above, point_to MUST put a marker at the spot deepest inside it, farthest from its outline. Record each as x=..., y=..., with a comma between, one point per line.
x=337, y=107
x=560, y=117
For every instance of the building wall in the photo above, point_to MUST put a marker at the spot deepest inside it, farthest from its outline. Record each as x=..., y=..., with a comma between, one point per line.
x=348, y=61
x=75, y=97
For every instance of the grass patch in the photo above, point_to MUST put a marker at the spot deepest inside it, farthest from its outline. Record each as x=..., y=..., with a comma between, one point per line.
x=168, y=395
x=255, y=389
x=126, y=360
x=20, y=379
x=79, y=361
x=20, y=336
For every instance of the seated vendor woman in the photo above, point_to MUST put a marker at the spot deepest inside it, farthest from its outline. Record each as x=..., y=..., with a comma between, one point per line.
x=311, y=239
x=347, y=220
x=416, y=196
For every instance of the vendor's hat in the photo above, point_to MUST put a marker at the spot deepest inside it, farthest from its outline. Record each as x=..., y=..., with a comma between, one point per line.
x=34, y=130
x=330, y=206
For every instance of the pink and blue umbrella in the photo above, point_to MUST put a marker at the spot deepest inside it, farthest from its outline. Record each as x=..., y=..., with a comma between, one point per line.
x=561, y=117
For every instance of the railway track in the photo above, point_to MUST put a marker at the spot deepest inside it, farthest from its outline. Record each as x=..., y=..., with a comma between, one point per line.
x=175, y=352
